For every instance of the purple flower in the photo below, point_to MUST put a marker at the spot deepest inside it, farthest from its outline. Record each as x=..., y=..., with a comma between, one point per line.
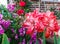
x=13, y=30
x=22, y=31
x=30, y=42
x=40, y=41
x=11, y=7
x=9, y=39
x=19, y=43
x=34, y=35
x=1, y=30
x=16, y=36
x=1, y=21
x=14, y=15
x=1, y=16
x=6, y=24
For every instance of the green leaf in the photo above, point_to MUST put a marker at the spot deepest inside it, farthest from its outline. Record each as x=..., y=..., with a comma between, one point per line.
x=58, y=40
x=20, y=38
x=44, y=39
x=5, y=39
x=55, y=39
x=37, y=42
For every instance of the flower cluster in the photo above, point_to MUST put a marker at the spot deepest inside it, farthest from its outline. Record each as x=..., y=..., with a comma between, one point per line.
x=11, y=20
x=41, y=22
x=1, y=30
x=21, y=4
x=26, y=29
x=22, y=31
x=3, y=24
x=11, y=7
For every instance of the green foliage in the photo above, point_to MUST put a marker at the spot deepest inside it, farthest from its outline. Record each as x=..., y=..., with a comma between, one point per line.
x=40, y=35
x=52, y=9
x=44, y=39
x=7, y=15
x=15, y=23
x=5, y=12
x=57, y=13
x=17, y=0
x=26, y=8
x=5, y=39
x=55, y=39
x=27, y=38
x=37, y=42
x=58, y=40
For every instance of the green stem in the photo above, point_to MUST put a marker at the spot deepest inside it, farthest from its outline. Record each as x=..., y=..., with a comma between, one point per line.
x=44, y=40
x=55, y=39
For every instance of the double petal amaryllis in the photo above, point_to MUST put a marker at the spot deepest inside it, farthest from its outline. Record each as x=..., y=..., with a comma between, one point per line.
x=41, y=21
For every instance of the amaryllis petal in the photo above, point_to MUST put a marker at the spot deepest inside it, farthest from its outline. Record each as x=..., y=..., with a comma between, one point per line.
x=29, y=31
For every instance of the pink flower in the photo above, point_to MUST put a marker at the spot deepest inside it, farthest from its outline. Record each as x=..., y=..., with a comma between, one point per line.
x=1, y=30
x=6, y=24
x=29, y=31
x=1, y=16
x=11, y=7
x=40, y=21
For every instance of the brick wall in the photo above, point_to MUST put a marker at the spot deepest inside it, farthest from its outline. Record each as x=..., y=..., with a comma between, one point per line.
x=34, y=5
x=44, y=7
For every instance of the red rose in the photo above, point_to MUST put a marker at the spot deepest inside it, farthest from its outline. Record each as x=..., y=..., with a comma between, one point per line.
x=20, y=11
x=22, y=3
